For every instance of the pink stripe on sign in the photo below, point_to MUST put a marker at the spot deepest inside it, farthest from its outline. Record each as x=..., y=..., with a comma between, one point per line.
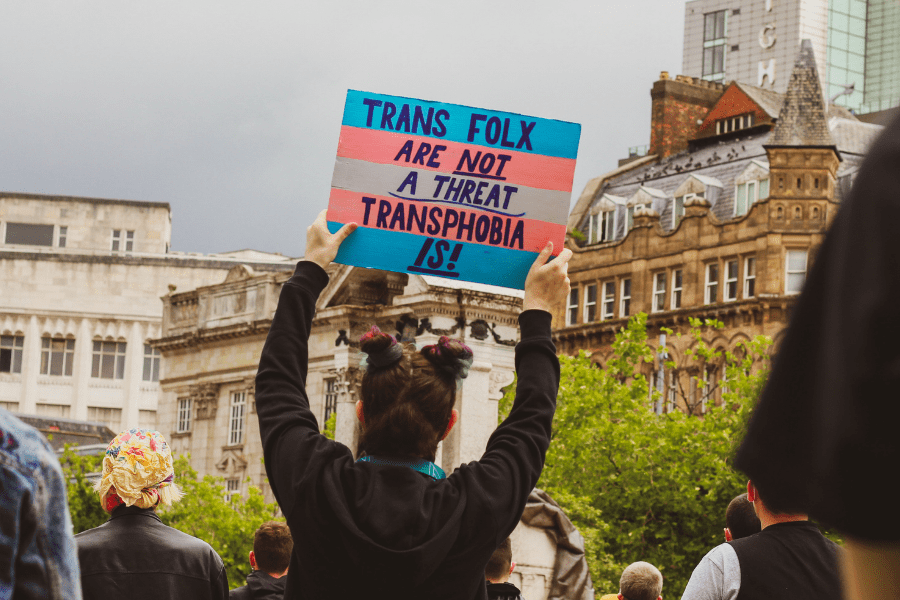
x=447, y=220
x=386, y=147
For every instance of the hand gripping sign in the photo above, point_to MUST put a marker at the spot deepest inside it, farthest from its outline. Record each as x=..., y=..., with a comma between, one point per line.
x=450, y=190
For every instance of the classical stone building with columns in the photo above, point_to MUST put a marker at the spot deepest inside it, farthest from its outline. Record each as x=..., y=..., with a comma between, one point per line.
x=212, y=337
x=80, y=287
x=720, y=221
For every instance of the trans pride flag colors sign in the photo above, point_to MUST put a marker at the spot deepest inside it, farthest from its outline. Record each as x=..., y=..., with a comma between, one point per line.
x=450, y=190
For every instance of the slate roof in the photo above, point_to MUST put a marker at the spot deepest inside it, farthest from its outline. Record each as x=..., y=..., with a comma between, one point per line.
x=802, y=121
x=768, y=100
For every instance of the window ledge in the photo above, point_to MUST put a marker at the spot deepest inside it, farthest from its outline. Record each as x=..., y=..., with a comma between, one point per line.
x=180, y=434
x=115, y=384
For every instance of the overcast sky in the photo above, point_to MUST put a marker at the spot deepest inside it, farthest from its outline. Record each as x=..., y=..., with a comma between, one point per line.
x=231, y=111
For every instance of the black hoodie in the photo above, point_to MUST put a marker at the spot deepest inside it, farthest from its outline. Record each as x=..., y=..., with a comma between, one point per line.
x=364, y=530
x=260, y=586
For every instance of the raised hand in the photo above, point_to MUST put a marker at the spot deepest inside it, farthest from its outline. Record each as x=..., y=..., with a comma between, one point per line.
x=547, y=283
x=322, y=245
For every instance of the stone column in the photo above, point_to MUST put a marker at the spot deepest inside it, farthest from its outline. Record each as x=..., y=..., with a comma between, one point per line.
x=81, y=370
x=31, y=366
x=346, y=429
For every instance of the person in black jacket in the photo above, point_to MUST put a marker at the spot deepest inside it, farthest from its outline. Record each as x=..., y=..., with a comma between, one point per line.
x=497, y=572
x=134, y=554
x=269, y=559
x=393, y=525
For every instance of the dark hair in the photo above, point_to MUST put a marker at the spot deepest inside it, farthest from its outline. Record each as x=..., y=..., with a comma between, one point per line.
x=408, y=397
x=740, y=518
x=498, y=565
x=272, y=546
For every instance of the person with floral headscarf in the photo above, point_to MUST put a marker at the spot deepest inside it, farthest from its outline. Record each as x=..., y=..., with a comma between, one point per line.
x=133, y=553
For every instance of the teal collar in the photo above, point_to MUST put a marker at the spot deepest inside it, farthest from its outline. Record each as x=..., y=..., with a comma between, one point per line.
x=422, y=466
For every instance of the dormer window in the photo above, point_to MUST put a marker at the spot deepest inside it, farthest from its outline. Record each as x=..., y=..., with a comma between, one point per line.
x=729, y=124
x=678, y=206
x=601, y=226
x=751, y=186
x=631, y=211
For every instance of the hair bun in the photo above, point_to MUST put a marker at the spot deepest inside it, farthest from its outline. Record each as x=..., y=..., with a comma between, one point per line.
x=450, y=356
x=381, y=349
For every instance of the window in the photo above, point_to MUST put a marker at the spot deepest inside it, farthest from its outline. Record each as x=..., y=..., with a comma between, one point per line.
x=183, y=418
x=232, y=489
x=629, y=221
x=714, y=39
x=236, y=420
x=11, y=353
x=676, y=289
x=111, y=417
x=590, y=303
x=122, y=240
x=747, y=194
x=10, y=406
x=625, y=298
x=749, y=277
x=677, y=211
x=61, y=238
x=795, y=271
x=731, y=280
x=659, y=292
x=712, y=283
x=29, y=234
x=609, y=299
x=572, y=307
x=601, y=226
x=730, y=124
x=54, y=411
x=151, y=363
x=331, y=396
x=108, y=360
x=57, y=355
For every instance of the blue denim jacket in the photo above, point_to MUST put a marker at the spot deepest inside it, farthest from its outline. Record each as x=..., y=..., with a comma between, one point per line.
x=37, y=549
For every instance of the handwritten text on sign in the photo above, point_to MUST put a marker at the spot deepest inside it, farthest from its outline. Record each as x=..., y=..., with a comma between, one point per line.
x=449, y=190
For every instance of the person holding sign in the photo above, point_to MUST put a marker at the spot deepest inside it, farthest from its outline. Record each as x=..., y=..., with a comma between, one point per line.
x=392, y=524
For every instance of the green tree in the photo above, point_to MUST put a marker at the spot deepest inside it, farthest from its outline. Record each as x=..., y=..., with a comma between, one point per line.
x=640, y=485
x=84, y=504
x=226, y=524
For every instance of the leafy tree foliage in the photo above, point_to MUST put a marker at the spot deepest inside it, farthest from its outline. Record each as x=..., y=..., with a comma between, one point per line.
x=226, y=524
x=641, y=485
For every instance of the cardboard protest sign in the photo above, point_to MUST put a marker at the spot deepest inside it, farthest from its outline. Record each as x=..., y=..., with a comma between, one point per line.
x=450, y=190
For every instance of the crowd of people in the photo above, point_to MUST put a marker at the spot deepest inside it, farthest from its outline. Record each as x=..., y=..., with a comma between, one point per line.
x=393, y=524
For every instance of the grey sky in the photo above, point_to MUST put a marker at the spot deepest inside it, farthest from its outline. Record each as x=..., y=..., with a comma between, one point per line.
x=230, y=111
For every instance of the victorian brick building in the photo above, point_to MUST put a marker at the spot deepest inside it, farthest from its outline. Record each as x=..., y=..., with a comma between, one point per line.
x=720, y=220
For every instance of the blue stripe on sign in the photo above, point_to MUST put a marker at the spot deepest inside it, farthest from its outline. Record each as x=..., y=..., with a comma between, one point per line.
x=399, y=251
x=547, y=137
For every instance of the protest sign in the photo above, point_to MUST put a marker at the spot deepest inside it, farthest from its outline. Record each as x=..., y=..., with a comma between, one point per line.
x=450, y=190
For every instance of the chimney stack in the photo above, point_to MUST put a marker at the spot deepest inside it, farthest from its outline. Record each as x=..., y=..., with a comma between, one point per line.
x=677, y=105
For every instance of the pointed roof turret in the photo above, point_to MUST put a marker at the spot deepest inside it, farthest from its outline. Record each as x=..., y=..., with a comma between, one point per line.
x=802, y=120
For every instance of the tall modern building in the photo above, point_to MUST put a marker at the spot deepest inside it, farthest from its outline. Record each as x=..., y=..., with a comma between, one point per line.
x=856, y=44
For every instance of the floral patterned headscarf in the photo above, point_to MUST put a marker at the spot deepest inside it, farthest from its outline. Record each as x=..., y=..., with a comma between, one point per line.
x=137, y=471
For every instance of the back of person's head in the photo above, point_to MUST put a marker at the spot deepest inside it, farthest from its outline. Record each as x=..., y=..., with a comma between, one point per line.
x=137, y=471
x=641, y=581
x=272, y=546
x=740, y=518
x=408, y=395
x=497, y=569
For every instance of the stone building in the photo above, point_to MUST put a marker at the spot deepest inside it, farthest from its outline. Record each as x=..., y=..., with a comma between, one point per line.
x=80, y=283
x=720, y=221
x=212, y=337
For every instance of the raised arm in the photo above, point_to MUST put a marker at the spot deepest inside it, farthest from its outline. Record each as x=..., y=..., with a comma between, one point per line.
x=288, y=429
x=514, y=457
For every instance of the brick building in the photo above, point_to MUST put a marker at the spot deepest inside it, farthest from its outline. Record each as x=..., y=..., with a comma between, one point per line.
x=721, y=220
